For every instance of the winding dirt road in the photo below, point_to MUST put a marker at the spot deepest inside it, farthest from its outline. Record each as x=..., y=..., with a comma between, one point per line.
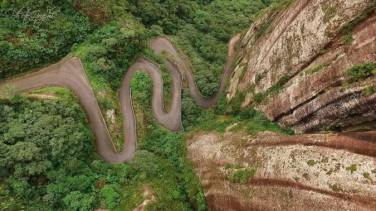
x=69, y=73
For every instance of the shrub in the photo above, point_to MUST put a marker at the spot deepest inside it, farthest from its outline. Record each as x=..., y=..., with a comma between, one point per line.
x=112, y=197
x=259, y=97
x=277, y=87
x=352, y=168
x=335, y=188
x=360, y=72
x=242, y=176
x=347, y=39
x=311, y=162
x=315, y=69
x=369, y=91
x=228, y=166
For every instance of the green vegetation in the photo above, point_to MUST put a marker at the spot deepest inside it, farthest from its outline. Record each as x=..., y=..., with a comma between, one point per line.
x=234, y=106
x=225, y=114
x=48, y=161
x=242, y=176
x=204, y=41
x=239, y=166
x=26, y=43
x=47, y=151
x=311, y=162
x=369, y=91
x=55, y=92
x=315, y=69
x=228, y=166
x=256, y=122
x=323, y=51
x=10, y=91
x=38, y=156
x=352, y=168
x=169, y=148
x=347, y=37
x=248, y=120
x=335, y=188
x=367, y=175
x=361, y=72
x=108, y=53
x=330, y=172
x=277, y=87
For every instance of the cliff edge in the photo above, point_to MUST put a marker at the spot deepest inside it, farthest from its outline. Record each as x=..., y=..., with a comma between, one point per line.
x=311, y=66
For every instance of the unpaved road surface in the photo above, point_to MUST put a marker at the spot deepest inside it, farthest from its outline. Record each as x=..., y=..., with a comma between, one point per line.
x=69, y=73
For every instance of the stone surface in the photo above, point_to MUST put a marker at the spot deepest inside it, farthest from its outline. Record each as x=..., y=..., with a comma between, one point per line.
x=322, y=171
x=304, y=36
x=303, y=172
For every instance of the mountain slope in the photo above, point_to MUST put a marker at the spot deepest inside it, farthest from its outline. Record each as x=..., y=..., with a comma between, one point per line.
x=309, y=69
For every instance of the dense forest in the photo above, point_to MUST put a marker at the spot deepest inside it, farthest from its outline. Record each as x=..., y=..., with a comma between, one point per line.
x=47, y=152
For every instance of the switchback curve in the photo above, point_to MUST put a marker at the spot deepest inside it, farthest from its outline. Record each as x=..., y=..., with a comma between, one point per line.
x=69, y=73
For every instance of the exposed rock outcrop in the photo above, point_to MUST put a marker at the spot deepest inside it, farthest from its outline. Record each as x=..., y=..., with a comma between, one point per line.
x=311, y=67
x=307, y=51
x=148, y=196
x=303, y=172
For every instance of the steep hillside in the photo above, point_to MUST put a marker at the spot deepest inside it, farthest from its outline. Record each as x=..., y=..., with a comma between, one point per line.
x=311, y=66
x=276, y=172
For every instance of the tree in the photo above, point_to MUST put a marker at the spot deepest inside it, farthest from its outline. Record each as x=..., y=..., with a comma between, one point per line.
x=111, y=196
x=79, y=201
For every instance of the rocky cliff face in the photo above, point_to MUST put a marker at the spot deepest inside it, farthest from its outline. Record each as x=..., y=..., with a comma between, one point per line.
x=311, y=67
x=274, y=172
x=294, y=65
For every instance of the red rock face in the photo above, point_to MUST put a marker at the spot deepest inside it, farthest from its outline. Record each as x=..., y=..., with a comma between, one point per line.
x=303, y=172
x=313, y=107
x=312, y=46
x=306, y=35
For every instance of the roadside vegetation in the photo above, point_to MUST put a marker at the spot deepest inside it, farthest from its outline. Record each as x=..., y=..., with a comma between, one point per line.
x=27, y=44
x=49, y=162
x=47, y=151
